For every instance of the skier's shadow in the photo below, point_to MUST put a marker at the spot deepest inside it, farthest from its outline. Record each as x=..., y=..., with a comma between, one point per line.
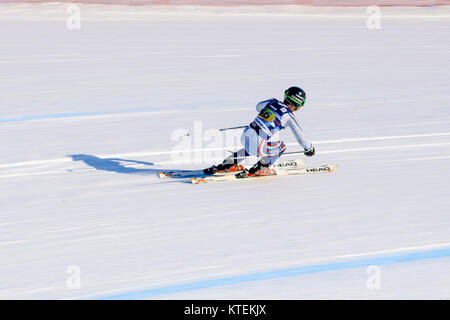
x=113, y=164
x=119, y=165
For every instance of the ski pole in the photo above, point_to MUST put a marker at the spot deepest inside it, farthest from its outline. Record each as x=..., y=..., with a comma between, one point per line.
x=286, y=153
x=223, y=129
x=231, y=128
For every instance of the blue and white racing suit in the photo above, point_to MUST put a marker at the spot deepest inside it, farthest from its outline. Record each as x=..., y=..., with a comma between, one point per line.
x=261, y=137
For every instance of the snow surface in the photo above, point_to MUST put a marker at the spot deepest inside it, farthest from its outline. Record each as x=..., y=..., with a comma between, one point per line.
x=87, y=119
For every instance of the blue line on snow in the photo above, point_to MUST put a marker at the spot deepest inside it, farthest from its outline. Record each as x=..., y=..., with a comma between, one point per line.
x=62, y=115
x=406, y=257
x=87, y=114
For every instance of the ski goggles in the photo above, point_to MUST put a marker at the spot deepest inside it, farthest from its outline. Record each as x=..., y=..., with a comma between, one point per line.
x=297, y=103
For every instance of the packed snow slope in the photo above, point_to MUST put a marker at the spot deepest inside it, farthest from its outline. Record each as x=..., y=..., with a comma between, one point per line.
x=89, y=116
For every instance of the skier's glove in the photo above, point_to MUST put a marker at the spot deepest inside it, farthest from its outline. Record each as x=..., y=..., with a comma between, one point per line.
x=310, y=152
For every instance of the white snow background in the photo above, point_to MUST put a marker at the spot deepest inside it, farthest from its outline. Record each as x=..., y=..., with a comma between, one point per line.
x=86, y=122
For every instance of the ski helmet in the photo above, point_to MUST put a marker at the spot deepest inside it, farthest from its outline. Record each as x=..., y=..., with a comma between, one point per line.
x=295, y=97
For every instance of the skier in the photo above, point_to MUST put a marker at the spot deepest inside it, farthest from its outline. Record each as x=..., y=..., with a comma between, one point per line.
x=258, y=137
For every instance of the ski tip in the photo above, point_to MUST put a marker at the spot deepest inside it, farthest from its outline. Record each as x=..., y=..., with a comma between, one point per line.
x=333, y=167
x=194, y=181
x=329, y=168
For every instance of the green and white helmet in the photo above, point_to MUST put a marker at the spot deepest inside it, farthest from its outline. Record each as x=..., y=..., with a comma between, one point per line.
x=295, y=97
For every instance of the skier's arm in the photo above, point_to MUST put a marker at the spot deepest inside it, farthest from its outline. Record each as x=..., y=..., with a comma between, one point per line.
x=289, y=121
x=262, y=104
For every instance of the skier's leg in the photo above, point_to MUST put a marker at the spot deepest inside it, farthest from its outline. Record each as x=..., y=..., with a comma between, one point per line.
x=232, y=162
x=271, y=152
x=274, y=150
x=249, y=139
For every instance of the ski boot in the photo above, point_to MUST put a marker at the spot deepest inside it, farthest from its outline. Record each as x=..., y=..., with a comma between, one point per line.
x=223, y=168
x=259, y=169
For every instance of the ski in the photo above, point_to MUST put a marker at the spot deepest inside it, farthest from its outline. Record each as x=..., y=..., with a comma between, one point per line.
x=197, y=173
x=179, y=174
x=279, y=172
x=298, y=163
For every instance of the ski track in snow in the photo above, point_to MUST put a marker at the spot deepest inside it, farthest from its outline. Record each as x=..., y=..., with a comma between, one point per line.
x=35, y=163
x=86, y=126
